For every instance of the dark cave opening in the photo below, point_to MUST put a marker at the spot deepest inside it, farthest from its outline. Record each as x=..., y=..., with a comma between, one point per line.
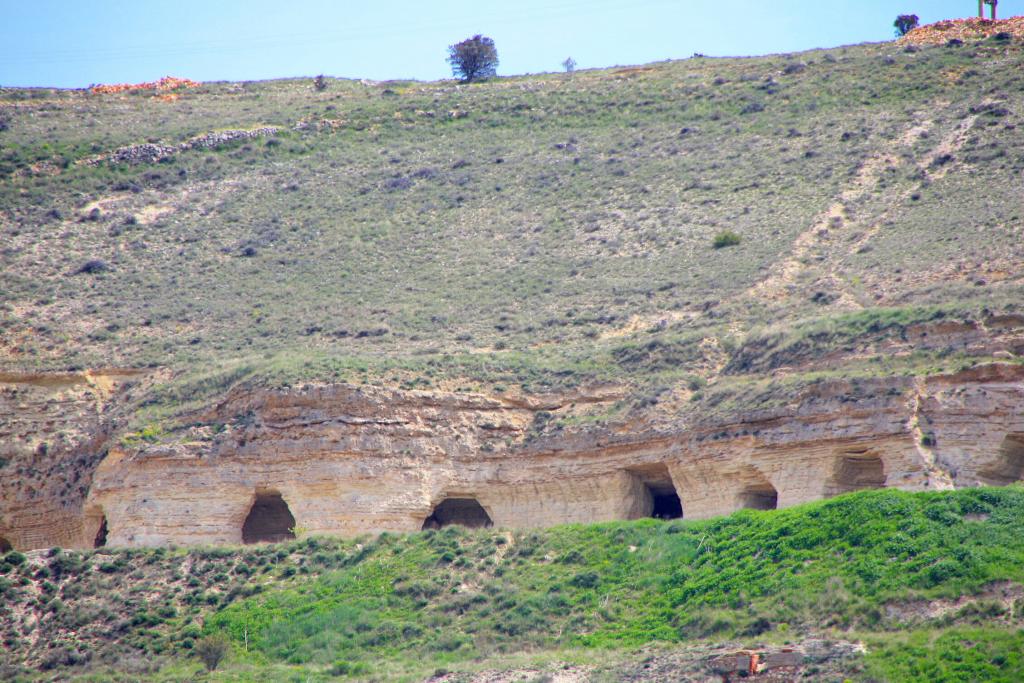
x=664, y=500
x=465, y=512
x=101, y=534
x=269, y=520
x=666, y=504
x=5, y=545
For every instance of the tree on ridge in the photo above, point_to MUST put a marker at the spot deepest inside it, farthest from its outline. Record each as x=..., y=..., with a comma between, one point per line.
x=474, y=58
x=905, y=23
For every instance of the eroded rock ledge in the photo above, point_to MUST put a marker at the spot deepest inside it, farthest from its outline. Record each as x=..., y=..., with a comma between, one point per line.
x=347, y=460
x=55, y=428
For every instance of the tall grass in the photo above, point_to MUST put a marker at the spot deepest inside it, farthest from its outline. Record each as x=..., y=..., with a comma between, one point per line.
x=441, y=596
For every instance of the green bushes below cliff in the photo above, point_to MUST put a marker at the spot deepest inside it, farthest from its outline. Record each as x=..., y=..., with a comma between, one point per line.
x=918, y=578
x=859, y=563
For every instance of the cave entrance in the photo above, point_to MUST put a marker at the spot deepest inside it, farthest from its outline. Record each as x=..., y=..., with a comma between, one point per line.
x=95, y=528
x=467, y=512
x=269, y=520
x=664, y=500
x=666, y=504
x=101, y=534
x=856, y=470
x=5, y=545
x=1008, y=467
x=759, y=496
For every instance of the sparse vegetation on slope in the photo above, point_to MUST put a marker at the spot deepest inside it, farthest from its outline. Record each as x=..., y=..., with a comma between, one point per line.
x=434, y=233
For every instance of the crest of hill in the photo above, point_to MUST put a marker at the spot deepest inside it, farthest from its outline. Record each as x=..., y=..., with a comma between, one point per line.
x=973, y=28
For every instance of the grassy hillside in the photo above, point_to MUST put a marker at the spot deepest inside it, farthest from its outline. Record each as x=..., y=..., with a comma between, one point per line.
x=931, y=583
x=521, y=232
x=720, y=231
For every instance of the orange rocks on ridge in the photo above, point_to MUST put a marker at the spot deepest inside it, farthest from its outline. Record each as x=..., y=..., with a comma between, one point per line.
x=941, y=32
x=164, y=84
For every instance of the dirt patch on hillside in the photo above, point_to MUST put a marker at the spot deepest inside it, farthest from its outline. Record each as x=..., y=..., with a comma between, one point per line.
x=998, y=602
x=810, y=657
x=566, y=675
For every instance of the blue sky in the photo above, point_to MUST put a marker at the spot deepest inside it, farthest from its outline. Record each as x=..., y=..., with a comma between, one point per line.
x=73, y=43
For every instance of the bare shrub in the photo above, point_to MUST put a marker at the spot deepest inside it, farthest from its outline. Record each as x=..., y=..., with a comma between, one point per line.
x=212, y=649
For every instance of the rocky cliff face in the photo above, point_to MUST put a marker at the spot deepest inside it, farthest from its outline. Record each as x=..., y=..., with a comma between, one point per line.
x=349, y=460
x=55, y=428
x=345, y=459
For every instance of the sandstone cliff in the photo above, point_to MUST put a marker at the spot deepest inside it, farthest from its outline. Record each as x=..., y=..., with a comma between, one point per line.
x=348, y=459
x=54, y=430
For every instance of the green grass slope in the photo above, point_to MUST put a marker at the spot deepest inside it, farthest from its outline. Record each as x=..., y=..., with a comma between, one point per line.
x=526, y=231
x=868, y=567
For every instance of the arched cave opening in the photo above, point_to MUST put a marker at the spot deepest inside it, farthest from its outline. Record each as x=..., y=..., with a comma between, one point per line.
x=1008, y=466
x=5, y=545
x=269, y=520
x=101, y=534
x=856, y=470
x=759, y=496
x=467, y=512
x=664, y=500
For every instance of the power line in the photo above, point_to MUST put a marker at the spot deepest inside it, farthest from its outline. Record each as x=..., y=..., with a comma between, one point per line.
x=393, y=30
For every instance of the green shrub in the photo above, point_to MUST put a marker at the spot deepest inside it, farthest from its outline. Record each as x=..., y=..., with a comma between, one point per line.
x=726, y=238
x=345, y=668
x=586, y=580
x=980, y=654
x=905, y=23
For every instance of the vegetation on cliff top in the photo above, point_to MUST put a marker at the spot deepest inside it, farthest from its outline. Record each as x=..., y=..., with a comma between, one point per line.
x=864, y=566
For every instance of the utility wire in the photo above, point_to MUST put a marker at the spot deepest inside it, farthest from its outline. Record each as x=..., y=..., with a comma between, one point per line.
x=395, y=31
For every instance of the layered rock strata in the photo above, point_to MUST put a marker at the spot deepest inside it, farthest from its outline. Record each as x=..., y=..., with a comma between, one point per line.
x=54, y=430
x=349, y=460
